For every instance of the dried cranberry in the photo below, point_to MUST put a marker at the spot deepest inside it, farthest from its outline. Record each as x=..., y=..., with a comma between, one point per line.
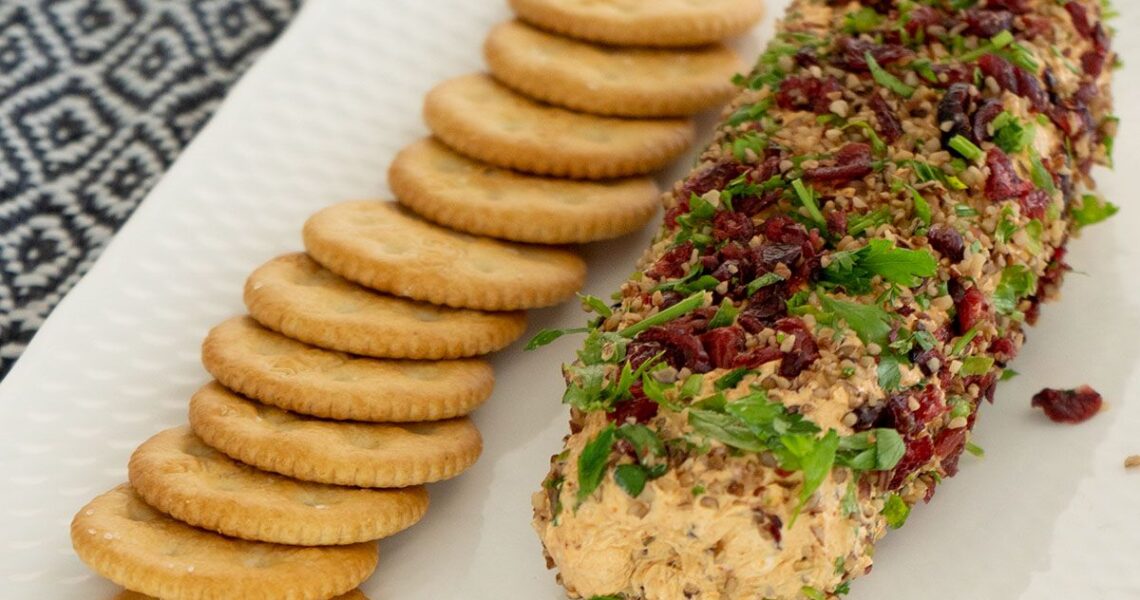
x=805, y=92
x=1069, y=406
x=850, y=54
x=890, y=128
x=1004, y=349
x=918, y=452
x=713, y=177
x=987, y=23
x=637, y=407
x=752, y=205
x=1080, y=16
x=1015, y=6
x=950, y=74
x=930, y=404
x=954, y=108
x=677, y=210
x=680, y=349
x=1029, y=87
x=971, y=309
x=723, y=345
x=922, y=17
x=852, y=161
x=806, y=56
x=1001, y=70
x=1092, y=63
x=1033, y=27
x=923, y=358
x=948, y=446
x=1034, y=203
x=757, y=356
x=837, y=223
x=896, y=414
x=770, y=255
x=765, y=307
x=1003, y=182
x=867, y=416
x=986, y=113
x=732, y=226
x=782, y=229
x=671, y=264
x=804, y=350
x=768, y=522
x=947, y=241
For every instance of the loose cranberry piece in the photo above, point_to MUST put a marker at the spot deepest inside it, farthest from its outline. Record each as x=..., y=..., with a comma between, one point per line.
x=732, y=226
x=850, y=54
x=680, y=349
x=918, y=453
x=638, y=407
x=986, y=113
x=948, y=446
x=1003, y=182
x=807, y=93
x=987, y=23
x=804, y=350
x=1069, y=406
x=1080, y=16
x=954, y=108
x=890, y=128
x=1034, y=203
x=947, y=241
x=671, y=264
x=723, y=345
x=971, y=309
x=852, y=161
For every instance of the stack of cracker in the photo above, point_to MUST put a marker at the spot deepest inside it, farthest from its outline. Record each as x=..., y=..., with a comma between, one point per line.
x=346, y=389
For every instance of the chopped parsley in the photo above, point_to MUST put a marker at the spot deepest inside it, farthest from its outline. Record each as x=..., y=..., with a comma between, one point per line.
x=1010, y=134
x=966, y=148
x=593, y=460
x=896, y=511
x=807, y=198
x=1092, y=210
x=853, y=270
x=1016, y=283
x=683, y=307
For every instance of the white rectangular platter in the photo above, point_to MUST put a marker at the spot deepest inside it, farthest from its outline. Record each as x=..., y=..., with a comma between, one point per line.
x=1050, y=513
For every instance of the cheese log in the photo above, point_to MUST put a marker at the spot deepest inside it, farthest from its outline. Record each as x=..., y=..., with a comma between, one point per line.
x=836, y=287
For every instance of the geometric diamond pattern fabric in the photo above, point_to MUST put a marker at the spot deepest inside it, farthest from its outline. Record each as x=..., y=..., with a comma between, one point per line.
x=97, y=98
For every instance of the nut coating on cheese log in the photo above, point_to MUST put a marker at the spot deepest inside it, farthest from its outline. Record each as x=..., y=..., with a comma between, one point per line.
x=836, y=288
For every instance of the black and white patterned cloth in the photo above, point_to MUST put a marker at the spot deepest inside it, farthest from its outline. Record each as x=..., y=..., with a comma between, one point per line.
x=97, y=98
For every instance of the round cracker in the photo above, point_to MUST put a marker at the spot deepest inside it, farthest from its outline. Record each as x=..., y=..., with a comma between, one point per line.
x=643, y=22
x=487, y=121
x=295, y=296
x=336, y=452
x=176, y=473
x=273, y=369
x=385, y=247
x=129, y=595
x=139, y=548
x=450, y=189
x=612, y=81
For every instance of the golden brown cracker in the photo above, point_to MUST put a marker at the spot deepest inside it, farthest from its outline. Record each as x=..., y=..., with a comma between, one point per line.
x=448, y=188
x=176, y=473
x=643, y=22
x=385, y=247
x=123, y=539
x=335, y=452
x=297, y=297
x=274, y=369
x=612, y=81
x=487, y=121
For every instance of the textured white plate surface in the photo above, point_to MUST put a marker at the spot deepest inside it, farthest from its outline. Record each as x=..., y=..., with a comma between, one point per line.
x=1050, y=513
